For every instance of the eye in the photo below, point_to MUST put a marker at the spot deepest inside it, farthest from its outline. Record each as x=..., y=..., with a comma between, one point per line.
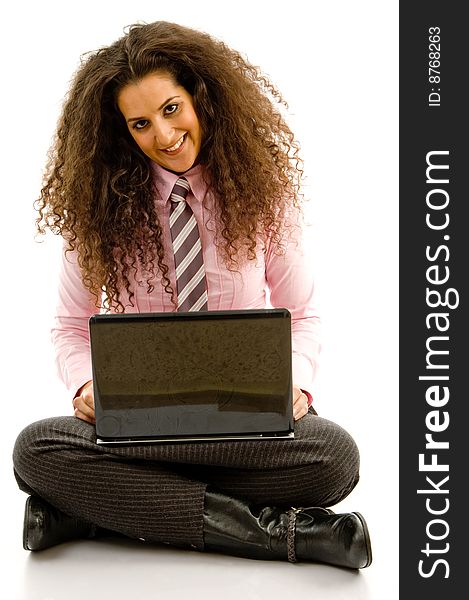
x=140, y=124
x=170, y=109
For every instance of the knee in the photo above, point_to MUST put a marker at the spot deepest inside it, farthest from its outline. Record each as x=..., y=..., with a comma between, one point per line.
x=26, y=444
x=342, y=464
x=35, y=439
x=343, y=449
x=24, y=456
x=336, y=461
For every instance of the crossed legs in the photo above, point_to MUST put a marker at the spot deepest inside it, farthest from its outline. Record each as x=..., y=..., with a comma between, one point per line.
x=157, y=492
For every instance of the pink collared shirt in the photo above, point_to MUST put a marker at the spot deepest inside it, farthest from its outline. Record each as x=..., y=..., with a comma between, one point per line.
x=270, y=280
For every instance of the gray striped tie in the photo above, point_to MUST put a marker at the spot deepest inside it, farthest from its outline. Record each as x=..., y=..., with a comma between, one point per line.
x=188, y=259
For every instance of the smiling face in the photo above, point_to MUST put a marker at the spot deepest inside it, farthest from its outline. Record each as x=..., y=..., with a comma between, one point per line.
x=161, y=118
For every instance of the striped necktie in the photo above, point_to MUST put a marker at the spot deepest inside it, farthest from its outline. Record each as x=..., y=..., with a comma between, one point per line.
x=188, y=259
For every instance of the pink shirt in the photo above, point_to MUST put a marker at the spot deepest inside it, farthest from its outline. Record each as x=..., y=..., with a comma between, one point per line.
x=286, y=278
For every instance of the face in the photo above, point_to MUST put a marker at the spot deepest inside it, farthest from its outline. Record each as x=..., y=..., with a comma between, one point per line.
x=161, y=118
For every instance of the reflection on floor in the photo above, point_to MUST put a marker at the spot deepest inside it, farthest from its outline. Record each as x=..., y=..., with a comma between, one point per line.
x=121, y=568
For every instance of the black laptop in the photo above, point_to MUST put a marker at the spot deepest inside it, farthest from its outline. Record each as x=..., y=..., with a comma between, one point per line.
x=176, y=377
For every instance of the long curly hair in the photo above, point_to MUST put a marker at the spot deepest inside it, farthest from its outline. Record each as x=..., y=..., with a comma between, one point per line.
x=98, y=190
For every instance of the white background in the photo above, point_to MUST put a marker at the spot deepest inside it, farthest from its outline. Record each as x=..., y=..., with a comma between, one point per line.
x=336, y=65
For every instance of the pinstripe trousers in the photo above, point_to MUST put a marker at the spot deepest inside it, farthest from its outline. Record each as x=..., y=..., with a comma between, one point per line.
x=156, y=492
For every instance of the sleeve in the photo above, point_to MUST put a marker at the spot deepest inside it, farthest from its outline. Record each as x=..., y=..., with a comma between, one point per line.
x=70, y=335
x=291, y=285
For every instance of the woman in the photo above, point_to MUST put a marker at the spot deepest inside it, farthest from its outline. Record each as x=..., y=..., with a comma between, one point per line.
x=169, y=117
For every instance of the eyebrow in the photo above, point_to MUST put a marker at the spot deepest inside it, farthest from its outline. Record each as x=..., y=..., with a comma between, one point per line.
x=164, y=104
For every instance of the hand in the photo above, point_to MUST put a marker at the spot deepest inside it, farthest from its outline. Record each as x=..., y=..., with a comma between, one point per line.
x=300, y=403
x=83, y=403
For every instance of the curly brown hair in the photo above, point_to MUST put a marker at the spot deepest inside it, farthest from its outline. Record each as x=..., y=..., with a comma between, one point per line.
x=98, y=190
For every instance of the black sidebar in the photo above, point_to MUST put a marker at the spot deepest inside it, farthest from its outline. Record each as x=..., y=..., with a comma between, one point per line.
x=434, y=269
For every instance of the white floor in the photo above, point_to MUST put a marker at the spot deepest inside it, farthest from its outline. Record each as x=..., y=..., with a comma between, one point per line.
x=124, y=569
x=119, y=570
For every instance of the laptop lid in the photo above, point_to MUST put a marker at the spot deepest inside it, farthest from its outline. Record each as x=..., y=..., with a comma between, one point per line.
x=208, y=375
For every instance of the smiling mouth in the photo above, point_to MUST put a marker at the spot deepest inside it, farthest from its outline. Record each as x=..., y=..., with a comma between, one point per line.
x=177, y=146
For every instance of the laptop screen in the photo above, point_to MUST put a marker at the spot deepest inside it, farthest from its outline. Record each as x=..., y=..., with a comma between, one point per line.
x=188, y=367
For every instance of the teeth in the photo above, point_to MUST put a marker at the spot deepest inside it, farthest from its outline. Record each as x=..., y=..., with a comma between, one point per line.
x=176, y=145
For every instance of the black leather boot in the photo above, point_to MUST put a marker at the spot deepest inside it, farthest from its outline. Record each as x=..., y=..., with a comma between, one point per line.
x=232, y=526
x=46, y=526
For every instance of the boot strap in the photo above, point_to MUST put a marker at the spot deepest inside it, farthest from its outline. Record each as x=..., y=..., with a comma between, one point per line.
x=291, y=534
x=291, y=529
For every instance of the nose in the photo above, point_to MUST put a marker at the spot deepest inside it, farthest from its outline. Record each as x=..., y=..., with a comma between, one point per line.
x=163, y=133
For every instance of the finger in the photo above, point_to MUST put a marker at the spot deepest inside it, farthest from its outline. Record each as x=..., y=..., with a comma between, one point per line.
x=300, y=400
x=84, y=417
x=300, y=408
x=88, y=399
x=299, y=414
x=87, y=394
x=82, y=407
x=296, y=393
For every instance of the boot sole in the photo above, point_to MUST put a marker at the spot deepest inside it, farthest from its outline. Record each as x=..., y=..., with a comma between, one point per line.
x=367, y=540
x=26, y=524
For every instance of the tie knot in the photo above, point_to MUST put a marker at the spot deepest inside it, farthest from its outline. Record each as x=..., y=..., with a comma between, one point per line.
x=180, y=190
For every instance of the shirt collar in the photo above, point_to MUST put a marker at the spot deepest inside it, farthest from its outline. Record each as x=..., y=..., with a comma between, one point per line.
x=165, y=180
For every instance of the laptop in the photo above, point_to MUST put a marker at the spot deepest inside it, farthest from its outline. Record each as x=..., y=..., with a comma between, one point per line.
x=194, y=376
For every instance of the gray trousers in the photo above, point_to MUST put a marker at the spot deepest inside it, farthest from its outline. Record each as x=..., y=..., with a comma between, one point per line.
x=156, y=492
